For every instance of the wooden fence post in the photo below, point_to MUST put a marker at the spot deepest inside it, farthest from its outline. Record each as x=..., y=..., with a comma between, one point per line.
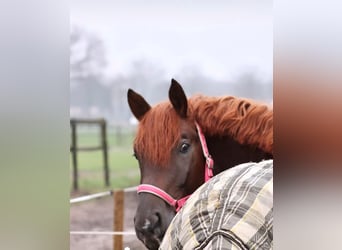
x=118, y=218
x=74, y=153
x=105, y=151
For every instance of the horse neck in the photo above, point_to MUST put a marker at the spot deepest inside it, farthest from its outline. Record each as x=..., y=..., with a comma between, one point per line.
x=228, y=153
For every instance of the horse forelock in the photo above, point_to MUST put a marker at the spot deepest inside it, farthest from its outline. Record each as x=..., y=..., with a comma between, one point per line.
x=157, y=134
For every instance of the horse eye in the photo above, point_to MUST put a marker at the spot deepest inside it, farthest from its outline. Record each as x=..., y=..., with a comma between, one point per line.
x=135, y=155
x=184, y=148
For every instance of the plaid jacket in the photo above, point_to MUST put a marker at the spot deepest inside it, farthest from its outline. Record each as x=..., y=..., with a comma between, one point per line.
x=234, y=210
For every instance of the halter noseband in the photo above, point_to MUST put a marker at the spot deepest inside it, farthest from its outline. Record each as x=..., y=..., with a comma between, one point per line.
x=177, y=204
x=208, y=173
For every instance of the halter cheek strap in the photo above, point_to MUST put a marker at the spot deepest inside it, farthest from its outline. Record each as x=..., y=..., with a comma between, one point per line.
x=208, y=173
x=209, y=162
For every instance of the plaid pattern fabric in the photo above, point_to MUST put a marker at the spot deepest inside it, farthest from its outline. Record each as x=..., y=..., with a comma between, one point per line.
x=234, y=210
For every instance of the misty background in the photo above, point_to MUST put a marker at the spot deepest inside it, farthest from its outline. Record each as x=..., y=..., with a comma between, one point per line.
x=214, y=48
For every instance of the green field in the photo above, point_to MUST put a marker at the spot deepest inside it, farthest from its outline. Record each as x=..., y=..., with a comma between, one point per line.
x=124, y=170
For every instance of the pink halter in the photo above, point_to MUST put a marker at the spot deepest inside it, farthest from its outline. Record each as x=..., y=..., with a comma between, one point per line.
x=177, y=204
x=208, y=173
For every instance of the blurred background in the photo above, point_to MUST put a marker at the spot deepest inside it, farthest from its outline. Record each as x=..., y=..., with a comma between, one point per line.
x=212, y=48
x=216, y=44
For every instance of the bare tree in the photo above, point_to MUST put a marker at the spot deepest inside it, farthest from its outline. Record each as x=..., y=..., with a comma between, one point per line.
x=87, y=54
x=87, y=61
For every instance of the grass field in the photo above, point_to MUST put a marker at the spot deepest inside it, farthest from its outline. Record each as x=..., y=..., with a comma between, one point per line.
x=124, y=170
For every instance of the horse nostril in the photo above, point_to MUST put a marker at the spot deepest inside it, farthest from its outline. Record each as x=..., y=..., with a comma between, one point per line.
x=147, y=225
x=158, y=220
x=157, y=225
x=149, y=229
x=150, y=224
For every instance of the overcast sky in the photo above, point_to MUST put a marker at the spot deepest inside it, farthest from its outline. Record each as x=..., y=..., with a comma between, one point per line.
x=219, y=38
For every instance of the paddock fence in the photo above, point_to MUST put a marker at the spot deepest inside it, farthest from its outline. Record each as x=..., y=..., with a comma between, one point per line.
x=118, y=216
x=103, y=146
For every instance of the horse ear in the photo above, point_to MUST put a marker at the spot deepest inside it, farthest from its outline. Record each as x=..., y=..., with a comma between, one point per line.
x=137, y=104
x=178, y=98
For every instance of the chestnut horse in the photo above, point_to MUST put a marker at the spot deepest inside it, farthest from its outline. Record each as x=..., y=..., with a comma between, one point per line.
x=177, y=143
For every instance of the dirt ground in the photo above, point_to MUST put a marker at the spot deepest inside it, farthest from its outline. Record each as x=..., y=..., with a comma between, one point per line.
x=97, y=215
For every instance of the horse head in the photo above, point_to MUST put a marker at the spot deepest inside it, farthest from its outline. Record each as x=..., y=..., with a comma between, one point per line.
x=170, y=158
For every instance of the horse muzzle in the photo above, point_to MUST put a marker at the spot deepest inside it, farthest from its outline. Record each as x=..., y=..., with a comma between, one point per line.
x=152, y=218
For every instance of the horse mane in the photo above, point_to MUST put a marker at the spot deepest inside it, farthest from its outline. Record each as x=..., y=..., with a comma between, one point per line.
x=246, y=121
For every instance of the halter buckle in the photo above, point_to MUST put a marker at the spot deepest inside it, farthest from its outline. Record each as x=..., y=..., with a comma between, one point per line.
x=210, y=162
